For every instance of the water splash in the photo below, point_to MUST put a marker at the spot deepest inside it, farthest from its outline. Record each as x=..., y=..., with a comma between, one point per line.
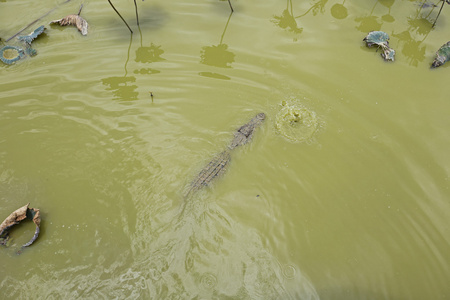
x=296, y=122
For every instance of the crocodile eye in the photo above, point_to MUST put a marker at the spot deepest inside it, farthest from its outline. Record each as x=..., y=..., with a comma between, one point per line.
x=261, y=116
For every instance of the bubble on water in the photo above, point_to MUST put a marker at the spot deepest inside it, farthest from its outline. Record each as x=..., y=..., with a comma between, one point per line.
x=289, y=271
x=208, y=281
x=296, y=122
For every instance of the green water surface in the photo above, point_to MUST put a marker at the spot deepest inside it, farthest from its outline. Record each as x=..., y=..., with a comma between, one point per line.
x=343, y=193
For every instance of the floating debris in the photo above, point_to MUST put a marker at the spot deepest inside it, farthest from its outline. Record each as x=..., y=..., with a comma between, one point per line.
x=388, y=54
x=30, y=51
x=74, y=20
x=15, y=218
x=32, y=36
x=380, y=39
x=442, y=56
x=11, y=54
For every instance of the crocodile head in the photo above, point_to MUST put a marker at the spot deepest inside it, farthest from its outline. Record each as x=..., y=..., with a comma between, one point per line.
x=261, y=116
x=244, y=134
x=254, y=123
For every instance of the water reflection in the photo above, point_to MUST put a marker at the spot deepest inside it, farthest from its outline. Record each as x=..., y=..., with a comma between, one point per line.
x=317, y=7
x=287, y=20
x=410, y=39
x=149, y=54
x=218, y=56
x=368, y=23
x=413, y=47
x=339, y=11
x=388, y=4
x=120, y=87
x=206, y=254
x=426, y=5
x=214, y=75
x=119, y=84
x=146, y=71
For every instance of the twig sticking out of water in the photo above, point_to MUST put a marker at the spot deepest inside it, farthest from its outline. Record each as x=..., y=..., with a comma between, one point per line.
x=443, y=2
x=232, y=10
x=121, y=15
x=137, y=17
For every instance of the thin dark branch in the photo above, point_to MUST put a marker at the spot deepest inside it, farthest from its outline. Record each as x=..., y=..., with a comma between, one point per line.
x=137, y=17
x=232, y=10
x=443, y=2
x=120, y=16
x=81, y=7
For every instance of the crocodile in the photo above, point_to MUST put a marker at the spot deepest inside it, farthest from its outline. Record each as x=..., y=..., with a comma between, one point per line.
x=218, y=164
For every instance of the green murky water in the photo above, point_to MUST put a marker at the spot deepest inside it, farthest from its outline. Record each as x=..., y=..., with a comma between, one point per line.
x=342, y=194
